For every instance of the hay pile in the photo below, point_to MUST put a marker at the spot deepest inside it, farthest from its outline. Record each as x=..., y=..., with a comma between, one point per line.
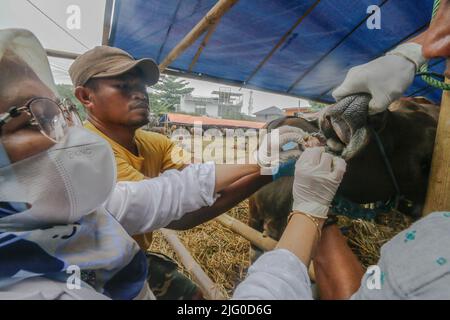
x=366, y=237
x=224, y=255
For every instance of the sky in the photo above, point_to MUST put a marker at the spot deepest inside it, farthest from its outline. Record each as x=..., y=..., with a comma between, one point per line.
x=26, y=14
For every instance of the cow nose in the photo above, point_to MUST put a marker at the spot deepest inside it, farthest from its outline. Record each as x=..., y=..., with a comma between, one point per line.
x=345, y=117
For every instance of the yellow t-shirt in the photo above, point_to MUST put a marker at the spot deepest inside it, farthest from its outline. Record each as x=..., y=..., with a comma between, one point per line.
x=154, y=158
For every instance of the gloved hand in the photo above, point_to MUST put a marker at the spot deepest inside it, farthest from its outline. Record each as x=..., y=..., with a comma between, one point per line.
x=385, y=78
x=274, y=141
x=317, y=177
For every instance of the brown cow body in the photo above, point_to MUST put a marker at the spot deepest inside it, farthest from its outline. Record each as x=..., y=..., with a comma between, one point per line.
x=407, y=132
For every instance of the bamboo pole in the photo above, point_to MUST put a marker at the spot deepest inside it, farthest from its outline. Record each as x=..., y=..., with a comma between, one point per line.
x=438, y=195
x=255, y=237
x=252, y=235
x=207, y=286
x=204, y=44
x=211, y=18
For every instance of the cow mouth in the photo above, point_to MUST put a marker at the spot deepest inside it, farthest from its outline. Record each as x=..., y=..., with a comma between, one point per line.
x=344, y=125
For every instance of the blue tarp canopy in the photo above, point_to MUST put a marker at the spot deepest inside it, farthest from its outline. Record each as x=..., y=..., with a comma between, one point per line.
x=313, y=60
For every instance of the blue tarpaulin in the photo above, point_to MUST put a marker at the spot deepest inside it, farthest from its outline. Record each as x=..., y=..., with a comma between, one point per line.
x=332, y=37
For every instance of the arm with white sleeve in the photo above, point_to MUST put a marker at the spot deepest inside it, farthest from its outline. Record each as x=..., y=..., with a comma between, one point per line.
x=152, y=204
x=282, y=273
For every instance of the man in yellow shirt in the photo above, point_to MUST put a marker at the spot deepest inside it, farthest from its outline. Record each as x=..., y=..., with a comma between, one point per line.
x=111, y=85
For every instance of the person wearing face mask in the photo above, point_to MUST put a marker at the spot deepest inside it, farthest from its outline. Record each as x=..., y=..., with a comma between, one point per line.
x=65, y=225
x=60, y=209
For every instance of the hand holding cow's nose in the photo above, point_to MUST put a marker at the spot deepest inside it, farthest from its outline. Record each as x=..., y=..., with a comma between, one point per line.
x=385, y=78
x=317, y=177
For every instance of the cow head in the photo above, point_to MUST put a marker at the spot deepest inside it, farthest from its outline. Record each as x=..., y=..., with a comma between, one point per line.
x=406, y=130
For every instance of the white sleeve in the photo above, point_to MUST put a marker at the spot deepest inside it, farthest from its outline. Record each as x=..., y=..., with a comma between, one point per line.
x=152, y=204
x=276, y=275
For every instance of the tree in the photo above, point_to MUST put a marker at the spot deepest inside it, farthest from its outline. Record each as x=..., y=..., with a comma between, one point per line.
x=66, y=91
x=317, y=106
x=166, y=94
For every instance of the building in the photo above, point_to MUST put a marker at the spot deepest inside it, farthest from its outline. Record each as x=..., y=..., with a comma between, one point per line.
x=221, y=104
x=188, y=121
x=268, y=114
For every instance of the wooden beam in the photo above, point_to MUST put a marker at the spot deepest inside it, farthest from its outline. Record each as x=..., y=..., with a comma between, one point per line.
x=207, y=286
x=255, y=237
x=203, y=44
x=282, y=40
x=107, y=21
x=438, y=195
x=219, y=9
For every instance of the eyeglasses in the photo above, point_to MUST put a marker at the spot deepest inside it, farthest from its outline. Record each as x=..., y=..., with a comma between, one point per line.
x=53, y=118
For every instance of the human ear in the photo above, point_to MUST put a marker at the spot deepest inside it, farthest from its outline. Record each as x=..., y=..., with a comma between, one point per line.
x=84, y=95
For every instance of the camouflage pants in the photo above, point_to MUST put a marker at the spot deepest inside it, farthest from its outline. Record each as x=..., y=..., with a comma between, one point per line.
x=166, y=282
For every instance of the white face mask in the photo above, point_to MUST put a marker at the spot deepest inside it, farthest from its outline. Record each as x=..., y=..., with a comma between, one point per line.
x=62, y=184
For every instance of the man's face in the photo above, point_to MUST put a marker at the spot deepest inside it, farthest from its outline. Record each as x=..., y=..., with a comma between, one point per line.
x=19, y=138
x=121, y=100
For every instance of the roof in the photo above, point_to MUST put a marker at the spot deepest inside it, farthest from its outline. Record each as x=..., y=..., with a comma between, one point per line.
x=330, y=37
x=270, y=110
x=207, y=121
x=234, y=94
x=298, y=109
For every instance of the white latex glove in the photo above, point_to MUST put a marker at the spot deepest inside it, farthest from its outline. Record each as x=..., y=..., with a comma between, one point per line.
x=317, y=177
x=274, y=141
x=385, y=78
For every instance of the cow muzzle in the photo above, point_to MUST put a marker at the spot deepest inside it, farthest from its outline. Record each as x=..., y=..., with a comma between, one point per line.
x=344, y=125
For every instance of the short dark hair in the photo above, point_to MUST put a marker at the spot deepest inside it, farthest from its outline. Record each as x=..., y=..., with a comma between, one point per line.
x=92, y=84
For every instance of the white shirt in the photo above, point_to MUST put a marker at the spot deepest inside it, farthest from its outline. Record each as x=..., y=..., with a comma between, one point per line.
x=276, y=275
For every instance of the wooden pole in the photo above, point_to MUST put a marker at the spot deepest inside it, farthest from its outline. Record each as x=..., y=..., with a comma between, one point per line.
x=203, y=44
x=252, y=235
x=107, y=22
x=438, y=195
x=211, y=18
x=208, y=287
x=255, y=237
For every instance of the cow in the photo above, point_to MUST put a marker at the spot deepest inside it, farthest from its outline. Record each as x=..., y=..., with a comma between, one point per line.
x=406, y=132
